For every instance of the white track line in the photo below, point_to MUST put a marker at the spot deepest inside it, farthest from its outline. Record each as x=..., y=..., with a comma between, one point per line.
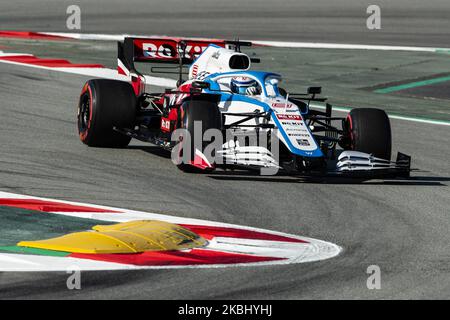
x=392, y=116
x=170, y=83
x=318, y=45
x=281, y=44
x=91, y=72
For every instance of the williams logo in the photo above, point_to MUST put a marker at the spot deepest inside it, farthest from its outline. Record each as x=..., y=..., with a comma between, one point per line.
x=303, y=142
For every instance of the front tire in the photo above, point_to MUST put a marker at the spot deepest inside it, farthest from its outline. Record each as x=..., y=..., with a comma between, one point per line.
x=205, y=111
x=369, y=131
x=105, y=104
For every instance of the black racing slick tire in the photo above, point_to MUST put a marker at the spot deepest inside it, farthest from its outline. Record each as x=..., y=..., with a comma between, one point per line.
x=205, y=111
x=105, y=104
x=369, y=130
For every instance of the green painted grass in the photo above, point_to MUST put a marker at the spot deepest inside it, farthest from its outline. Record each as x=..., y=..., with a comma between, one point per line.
x=27, y=225
x=446, y=51
x=34, y=251
x=413, y=85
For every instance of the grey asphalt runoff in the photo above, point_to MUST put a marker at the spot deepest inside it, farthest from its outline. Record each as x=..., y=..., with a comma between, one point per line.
x=403, y=22
x=401, y=226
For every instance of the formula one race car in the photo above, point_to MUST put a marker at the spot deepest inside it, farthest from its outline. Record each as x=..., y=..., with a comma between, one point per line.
x=226, y=116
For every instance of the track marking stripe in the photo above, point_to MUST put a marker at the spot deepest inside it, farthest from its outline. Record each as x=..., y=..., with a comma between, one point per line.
x=237, y=233
x=170, y=83
x=48, y=206
x=92, y=70
x=317, y=45
x=164, y=258
x=413, y=85
x=392, y=116
x=36, y=251
x=52, y=63
x=281, y=44
x=31, y=35
x=208, y=231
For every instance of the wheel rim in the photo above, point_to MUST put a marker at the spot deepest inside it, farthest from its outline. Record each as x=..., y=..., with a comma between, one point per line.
x=84, y=114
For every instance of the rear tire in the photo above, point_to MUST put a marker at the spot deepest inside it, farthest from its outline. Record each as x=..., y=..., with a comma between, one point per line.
x=369, y=130
x=105, y=104
x=198, y=110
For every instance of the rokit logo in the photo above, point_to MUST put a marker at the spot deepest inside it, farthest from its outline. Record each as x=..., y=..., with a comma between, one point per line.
x=168, y=51
x=151, y=50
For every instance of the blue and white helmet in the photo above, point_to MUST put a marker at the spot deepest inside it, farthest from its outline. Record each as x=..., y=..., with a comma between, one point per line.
x=239, y=85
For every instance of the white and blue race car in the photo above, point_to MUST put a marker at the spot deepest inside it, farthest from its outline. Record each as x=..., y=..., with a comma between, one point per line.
x=225, y=116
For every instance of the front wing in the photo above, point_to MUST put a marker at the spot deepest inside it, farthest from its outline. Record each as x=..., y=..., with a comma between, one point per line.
x=350, y=164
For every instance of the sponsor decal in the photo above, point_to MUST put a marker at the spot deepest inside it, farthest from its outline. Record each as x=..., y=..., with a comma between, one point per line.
x=167, y=49
x=165, y=124
x=163, y=51
x=280, y=105
x=306, y=135
x=194, y=70
x=202, y=75
x=297, y=131
x=293, y=117
x=292, y=123
x=303, y=142
x=216, y=55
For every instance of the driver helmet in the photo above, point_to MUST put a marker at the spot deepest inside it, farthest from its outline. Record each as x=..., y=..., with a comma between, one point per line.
x=239, y=85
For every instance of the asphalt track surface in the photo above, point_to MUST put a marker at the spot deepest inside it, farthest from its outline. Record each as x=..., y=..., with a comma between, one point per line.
x=403, y=22
x=402, y=226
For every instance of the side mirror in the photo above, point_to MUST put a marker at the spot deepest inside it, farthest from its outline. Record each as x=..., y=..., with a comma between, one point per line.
x=200, y=85
x=314, y=90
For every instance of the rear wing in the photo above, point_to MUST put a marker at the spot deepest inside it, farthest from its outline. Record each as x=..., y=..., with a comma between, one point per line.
x=163, y=50
x=166, y=50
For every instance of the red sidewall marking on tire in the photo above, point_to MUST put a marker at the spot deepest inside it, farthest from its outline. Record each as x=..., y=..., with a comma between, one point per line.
x=352, y=145
x=83, y=135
